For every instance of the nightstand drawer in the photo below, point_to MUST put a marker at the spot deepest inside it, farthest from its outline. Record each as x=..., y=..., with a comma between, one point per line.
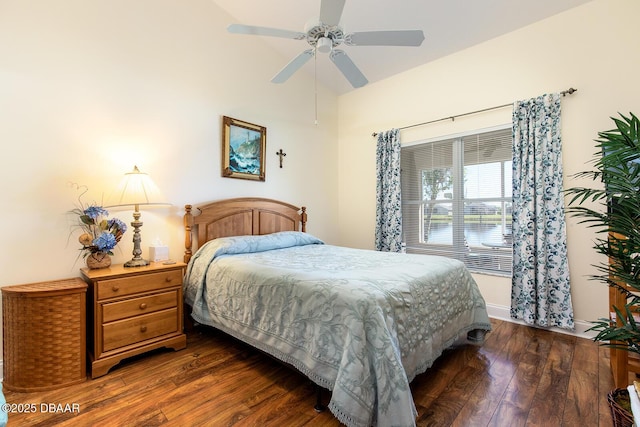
x=111, y=288
x=124, y=332
x=137, y=306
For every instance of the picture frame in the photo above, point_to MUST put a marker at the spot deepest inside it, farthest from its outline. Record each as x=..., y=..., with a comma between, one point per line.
x=243, y=149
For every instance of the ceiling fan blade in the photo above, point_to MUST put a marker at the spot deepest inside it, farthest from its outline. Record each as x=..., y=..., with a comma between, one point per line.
x=385, y=38
x=348, y=68
x=331, y=12
x=265, y=31
x=293, y=66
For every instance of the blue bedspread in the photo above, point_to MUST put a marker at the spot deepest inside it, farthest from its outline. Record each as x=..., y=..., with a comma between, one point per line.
x=358, y=322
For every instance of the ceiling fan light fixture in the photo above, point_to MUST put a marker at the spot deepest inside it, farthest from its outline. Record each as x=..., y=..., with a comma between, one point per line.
x=324, y=44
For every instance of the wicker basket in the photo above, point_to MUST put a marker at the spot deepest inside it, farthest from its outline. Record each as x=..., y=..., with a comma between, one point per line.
x=621, y=416
x=44, y=331
x=98, y=260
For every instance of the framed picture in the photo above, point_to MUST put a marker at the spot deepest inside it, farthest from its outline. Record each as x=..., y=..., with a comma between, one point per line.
x=243, y=148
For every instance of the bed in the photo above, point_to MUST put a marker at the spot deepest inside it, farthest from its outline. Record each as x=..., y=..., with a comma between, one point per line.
x=359, y=323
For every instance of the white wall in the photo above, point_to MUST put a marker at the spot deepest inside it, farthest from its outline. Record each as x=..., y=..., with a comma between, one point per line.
x=590, y=48
x=90, y=88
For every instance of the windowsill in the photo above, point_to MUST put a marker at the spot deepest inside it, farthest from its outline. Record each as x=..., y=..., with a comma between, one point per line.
x=490, y=273
x=474, y=261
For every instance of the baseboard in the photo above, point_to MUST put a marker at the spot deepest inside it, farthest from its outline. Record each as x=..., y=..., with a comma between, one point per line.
x=581, y=326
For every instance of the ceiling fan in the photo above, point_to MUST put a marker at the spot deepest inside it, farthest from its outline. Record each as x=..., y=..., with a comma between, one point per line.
x=325, y=34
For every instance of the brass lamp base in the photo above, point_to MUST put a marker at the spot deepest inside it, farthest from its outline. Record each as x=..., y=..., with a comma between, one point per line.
x=137, y=260
x=136, y=263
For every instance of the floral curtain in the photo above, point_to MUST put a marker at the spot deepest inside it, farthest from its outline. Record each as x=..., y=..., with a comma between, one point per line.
x=540, y=292
x=388, y=208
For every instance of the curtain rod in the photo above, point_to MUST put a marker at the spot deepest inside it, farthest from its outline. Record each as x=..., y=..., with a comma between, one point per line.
x=452, y=118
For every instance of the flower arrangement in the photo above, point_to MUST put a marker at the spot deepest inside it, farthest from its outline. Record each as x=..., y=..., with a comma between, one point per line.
x=98, y=233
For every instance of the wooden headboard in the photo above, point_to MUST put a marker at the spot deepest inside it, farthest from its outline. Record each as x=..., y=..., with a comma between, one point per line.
x=240, y=217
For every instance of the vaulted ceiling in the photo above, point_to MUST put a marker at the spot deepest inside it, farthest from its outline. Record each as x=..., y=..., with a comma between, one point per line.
x=448, y=25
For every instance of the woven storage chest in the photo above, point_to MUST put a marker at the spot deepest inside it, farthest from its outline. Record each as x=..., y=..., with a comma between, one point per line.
x=44, y=335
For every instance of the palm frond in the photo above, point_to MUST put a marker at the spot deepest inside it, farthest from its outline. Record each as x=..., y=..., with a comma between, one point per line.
x=617, y=169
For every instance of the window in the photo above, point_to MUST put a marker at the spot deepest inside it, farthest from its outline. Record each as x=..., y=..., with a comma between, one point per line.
x=456, y=199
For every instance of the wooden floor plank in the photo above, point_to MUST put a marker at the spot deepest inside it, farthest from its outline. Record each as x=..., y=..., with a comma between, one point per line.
x=519, y=394
x=449, y=403
x=551, y=393
x=605, y=385
x=582, y=402
x=519, y=376
x=483, y=402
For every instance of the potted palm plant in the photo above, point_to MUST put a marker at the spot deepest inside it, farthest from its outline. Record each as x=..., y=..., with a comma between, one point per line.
x=616, y=220
x=617, y=166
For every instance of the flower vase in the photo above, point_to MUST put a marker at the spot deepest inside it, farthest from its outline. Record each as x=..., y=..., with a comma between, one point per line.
x=98, y=260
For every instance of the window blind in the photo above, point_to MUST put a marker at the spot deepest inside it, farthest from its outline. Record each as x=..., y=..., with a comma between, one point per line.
x=456, y=199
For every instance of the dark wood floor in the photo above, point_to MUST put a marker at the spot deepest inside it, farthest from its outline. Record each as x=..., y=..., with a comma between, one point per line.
x=520, y=376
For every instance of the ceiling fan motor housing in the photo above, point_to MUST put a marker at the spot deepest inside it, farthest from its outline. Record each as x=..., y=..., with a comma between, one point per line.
x=317, y=31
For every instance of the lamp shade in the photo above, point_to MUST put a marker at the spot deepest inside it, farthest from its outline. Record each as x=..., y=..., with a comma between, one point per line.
x=136, y=188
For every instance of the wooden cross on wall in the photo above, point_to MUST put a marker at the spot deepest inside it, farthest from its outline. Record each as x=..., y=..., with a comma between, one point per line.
x=281, y=154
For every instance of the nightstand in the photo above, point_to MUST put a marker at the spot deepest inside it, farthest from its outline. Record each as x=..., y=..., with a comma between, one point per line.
x=131, y=311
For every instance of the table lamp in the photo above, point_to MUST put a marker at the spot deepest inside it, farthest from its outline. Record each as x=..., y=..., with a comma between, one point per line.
x=136, y=189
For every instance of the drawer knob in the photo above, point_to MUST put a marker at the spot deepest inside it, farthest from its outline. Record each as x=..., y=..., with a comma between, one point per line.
x=168, y=279
x=143, y=328
x=115, y=288
x=143, y=306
